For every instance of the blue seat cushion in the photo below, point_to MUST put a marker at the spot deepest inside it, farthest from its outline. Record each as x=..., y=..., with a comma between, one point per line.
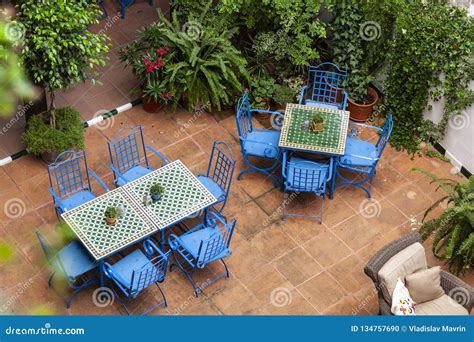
x=355, y=149
x=295, y=179
x=192, y=241
x=135, y=261
x=77, y=199
x=321, y=104
x=262, y=144
x=212, y=186
x=75, y=260
x=132, y=174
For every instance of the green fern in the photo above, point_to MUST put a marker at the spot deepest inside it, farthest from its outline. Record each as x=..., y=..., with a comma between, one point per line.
x=207, y=68
x=453, y=231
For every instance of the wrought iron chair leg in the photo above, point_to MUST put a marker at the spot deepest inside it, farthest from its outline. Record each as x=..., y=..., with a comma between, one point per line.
x=226, y=268
x=161, y=291
x=241, y=173
x=322, y=209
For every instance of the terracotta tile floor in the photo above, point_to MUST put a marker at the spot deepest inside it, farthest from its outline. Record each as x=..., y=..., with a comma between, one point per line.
x=305, y=267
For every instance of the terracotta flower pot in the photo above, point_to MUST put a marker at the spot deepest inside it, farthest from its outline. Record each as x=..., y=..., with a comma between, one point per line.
x=150, y=105
x=361, y=112
x=111, y=220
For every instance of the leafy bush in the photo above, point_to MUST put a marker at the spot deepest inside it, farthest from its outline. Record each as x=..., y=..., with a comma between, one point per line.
x=69, y=132
x=262, y=91
x=283, y=94
x=430, y=57
x=454, y=230
x=206, y=68
x=58, y=49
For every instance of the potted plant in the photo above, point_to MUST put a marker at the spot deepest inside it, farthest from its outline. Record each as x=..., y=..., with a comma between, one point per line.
x=155, y=94
x=453, y=230
x=317, y=123
x=156, y=191
x=58, y=63
x=111, y=215
x=262, y=91
x=283, y=95
x=45, y=141
x=362, y=99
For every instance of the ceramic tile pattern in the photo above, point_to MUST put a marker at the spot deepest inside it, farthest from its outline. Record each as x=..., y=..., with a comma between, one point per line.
x=277, y=267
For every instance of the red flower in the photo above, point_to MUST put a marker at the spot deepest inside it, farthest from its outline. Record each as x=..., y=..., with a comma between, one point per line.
x=159, y=63
x=163, y=51
x=167, y=94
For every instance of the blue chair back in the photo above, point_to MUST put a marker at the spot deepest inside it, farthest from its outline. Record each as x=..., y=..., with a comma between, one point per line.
x=149, y=274
x=243, y=117
x=306, y=175
x=219, y=242
x=221, y=165
x=51, y=254
x=68, y=174
x=126, y=148
x=324, y=83
x=384, y=136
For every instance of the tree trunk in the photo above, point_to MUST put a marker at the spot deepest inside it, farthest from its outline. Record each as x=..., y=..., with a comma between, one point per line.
x=52, y=114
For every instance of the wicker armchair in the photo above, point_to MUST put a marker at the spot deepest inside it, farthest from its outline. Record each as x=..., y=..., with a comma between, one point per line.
x=448, y=281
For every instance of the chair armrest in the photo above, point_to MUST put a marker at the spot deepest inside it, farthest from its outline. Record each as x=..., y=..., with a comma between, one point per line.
x=331, y=166
x=161, y=156
x=151, y=248
x=174, y=242
x=102, y=184
x=56, y=198
x=303, y=90
x=345, y=96
x=457, y=290
x=364, y=125
x=381, y=257
x=119, y=175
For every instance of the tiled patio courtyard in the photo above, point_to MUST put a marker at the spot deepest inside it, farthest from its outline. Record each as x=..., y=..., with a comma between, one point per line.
x=295, y=266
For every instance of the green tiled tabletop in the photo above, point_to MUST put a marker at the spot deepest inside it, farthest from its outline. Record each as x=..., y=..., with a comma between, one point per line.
x=331, y=141
x=88, y=223
x=184, y=194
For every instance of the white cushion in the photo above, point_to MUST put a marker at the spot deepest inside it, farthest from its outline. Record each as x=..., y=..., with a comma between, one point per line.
x=410, y=260
x=443, y=305
x=402, y=304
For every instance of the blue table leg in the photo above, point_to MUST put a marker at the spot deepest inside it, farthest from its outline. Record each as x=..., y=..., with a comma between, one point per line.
x=163, y=240
x=333, y=178
x=101, y=270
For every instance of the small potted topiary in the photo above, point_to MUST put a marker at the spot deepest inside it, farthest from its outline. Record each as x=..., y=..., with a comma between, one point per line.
x=317, y=123
x=156, y=191
x=111, y=215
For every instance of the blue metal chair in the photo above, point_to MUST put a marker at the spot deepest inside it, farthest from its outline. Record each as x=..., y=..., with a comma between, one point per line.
x=301, y=175
x=202, y=245
x=125, y=3
x=128, y=156
x=69, y=181
x=73, y=262
x=254, y=142
x=220, y=170
x=323, y=87
x=136, y=272
x=362, y=156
